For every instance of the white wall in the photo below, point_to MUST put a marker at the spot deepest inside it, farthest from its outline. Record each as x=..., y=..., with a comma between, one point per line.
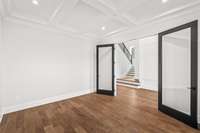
x=122, y=64
x=1, y=41
x=41, y=66
x=136, y=61
x=148, y=65
x=159, y=25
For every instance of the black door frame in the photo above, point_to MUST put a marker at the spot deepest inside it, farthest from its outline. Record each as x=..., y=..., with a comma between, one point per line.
x=188, y=119
x=106, y=92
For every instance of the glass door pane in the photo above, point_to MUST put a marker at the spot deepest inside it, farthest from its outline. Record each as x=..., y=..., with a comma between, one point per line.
x=105, y=68
x=176, y=74
x=178, y=52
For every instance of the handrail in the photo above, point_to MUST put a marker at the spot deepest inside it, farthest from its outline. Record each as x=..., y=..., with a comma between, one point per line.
x=126, y=51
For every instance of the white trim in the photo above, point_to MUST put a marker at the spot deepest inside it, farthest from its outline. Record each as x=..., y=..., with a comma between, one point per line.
x=117, y=31
x=1, y=117
x=177, y=12
x=113, y=13
x=57, y=10
x=189, y=6
x=44, y=101
x=2, y=9
x=54, y=28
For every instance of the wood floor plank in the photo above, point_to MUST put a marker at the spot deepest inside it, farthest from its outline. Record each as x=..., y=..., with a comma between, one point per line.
x=132, y=111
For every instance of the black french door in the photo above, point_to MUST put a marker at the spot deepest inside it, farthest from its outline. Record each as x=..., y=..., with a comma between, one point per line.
x=105, y=69
x=178, y=52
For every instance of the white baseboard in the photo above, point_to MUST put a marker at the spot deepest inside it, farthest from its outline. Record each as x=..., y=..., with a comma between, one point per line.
x=23, y=106
x=149, y=84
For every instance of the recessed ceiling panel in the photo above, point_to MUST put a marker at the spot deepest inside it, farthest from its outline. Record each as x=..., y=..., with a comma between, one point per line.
x=140, y=10
x=85, y=18
x=97, y=17
x=154, y=8
x=40, y=10
x=111, y=25
x=124, y=5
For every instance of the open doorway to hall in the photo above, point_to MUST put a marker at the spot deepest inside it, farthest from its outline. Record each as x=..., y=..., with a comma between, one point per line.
x=137, y=63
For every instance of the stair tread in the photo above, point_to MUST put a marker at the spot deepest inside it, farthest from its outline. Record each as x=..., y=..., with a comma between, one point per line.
x=130, y=80
x=129, y=84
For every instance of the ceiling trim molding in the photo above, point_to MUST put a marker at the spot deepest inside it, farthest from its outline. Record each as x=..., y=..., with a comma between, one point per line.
x=170, y=12
x=30, y=20
x=2, y=9
x=57, y=10
x=7, y=13
x=117, y=31
x=117, y=13
x=7, y=5
x=113, y=12
x=47, y=24
x=177, y=11
x=53, y=28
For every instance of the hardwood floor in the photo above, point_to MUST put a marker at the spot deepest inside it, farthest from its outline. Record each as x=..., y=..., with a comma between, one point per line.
x=132, y=111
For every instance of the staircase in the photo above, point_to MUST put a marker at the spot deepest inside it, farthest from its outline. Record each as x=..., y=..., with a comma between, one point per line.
x=129, y=79
x=131, y=72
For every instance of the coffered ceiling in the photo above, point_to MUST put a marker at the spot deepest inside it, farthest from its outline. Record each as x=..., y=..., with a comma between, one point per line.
x=92, y=17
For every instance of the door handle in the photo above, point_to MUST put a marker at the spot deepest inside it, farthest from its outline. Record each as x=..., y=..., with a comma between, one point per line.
x=191, y=88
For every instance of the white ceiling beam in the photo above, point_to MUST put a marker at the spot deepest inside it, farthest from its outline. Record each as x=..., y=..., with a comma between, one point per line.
x=5, y=8
x=67, y=31
x=56, y=11
x=112, y=11
x=2, y=9
x=59, y=7
x=117, y=13
x=115, y=31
